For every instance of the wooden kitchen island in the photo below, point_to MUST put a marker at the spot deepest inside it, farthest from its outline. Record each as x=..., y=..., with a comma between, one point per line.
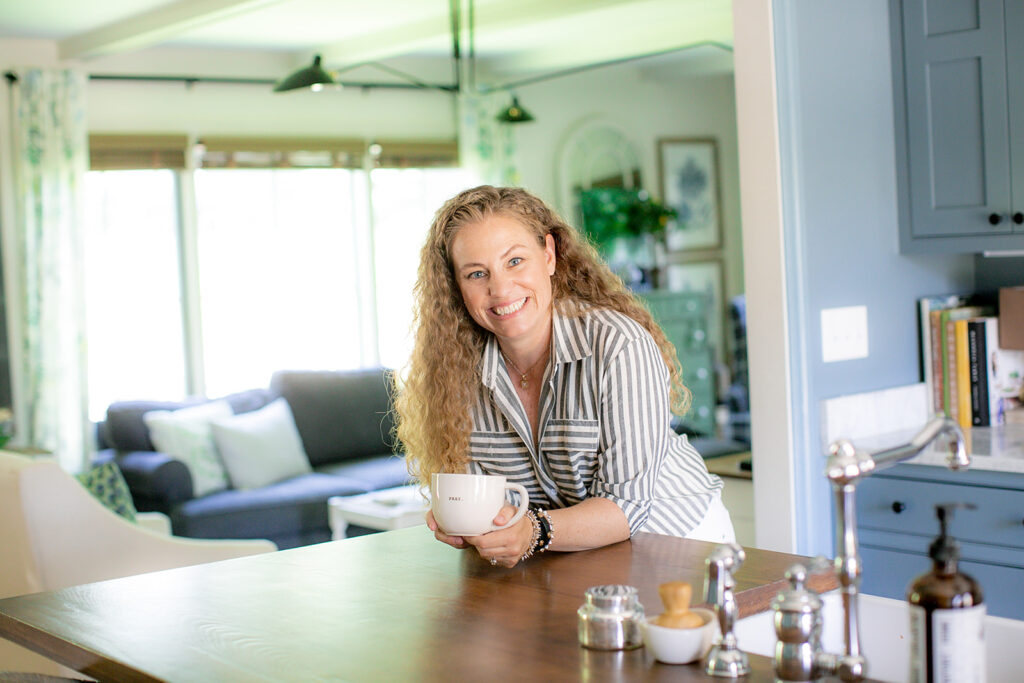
x=391, y=606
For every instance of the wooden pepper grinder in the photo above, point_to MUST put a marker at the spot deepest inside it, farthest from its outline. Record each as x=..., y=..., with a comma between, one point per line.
x=675, y=595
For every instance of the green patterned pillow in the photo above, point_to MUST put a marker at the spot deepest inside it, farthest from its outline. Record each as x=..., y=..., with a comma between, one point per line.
x=108, y=486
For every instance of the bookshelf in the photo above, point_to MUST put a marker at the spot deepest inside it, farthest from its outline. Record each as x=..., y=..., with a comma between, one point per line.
x=971, y=376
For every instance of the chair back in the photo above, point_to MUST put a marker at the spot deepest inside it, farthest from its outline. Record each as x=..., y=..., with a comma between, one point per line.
x=55, y=534
x=19, y=569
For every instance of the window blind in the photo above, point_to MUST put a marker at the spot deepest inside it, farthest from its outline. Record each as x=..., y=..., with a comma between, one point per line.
x=113, y=152
x=109, y=151
x=232, y=152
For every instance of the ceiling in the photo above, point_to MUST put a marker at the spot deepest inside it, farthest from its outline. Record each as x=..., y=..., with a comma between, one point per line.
x=513, y=42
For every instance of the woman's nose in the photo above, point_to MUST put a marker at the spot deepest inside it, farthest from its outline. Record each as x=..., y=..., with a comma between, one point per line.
x=499, y=283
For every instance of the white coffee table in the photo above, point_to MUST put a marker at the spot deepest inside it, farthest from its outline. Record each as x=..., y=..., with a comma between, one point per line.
x=396, y=508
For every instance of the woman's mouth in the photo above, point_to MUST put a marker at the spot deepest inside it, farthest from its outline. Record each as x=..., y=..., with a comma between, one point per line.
x=511, y=308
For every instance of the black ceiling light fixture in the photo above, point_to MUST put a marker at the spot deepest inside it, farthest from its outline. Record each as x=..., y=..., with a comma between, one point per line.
x=514, y=113
x=313, y=77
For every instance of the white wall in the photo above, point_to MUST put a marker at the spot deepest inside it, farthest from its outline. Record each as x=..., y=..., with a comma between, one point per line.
x=244, y=109
x=645, y=104
x=232, y=109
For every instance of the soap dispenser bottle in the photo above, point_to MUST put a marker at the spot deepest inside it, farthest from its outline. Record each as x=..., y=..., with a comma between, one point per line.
x=947, y=616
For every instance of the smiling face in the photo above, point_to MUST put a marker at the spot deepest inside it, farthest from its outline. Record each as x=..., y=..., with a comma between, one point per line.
x=504, y=275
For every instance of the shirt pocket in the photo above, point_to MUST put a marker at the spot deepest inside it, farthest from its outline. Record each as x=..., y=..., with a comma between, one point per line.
x=499, y=453
x=570, y=447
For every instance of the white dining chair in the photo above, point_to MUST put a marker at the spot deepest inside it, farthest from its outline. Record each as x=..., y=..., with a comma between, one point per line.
x=55, y=534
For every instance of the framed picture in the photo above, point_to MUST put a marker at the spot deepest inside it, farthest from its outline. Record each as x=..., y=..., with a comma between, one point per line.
x=689, y=184
x=704, y=276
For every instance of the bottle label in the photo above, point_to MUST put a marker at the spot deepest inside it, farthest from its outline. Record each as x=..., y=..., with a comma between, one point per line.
x=951, y=649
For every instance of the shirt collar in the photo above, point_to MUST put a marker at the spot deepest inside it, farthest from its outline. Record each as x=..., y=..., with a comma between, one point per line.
x=570, y=341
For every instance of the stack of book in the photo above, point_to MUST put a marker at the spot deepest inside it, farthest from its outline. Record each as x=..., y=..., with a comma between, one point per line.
x=968, y=375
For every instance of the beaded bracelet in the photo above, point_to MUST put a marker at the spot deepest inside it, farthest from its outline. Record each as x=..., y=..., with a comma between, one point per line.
x=535, y=537
x=547, y=528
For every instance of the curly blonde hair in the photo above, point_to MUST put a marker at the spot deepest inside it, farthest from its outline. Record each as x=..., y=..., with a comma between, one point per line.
x=442, y=377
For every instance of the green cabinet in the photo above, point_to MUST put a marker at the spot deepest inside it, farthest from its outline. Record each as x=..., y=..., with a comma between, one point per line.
x=684, y=318
x=958, y=76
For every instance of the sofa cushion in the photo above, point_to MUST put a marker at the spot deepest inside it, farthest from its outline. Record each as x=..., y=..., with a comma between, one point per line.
x=124, y=430
x=268, y=512
x=260, y=447
x=382, y=472
x=340, y=414
x=105, y=483
x=186, y=434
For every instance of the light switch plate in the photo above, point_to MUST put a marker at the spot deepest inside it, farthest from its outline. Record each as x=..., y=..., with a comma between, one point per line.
x=844, y=333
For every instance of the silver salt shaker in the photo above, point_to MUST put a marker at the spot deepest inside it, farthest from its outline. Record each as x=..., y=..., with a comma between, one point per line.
x=610, y=618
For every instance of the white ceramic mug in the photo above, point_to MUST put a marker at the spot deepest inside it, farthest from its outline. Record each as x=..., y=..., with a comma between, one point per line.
x=466, y=504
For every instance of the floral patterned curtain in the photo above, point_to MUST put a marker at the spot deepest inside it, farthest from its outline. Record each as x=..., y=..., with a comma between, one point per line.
x=50, y=157
x=487, y=146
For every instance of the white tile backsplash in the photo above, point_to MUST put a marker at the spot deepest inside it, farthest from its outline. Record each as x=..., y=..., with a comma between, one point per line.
x=860, y=416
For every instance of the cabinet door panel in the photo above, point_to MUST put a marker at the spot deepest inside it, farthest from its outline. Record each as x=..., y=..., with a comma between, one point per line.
x=888, y=573
x=1015, y=95
x=957, y=121
x=956, y=127
x=942, y=16
x=909, y=507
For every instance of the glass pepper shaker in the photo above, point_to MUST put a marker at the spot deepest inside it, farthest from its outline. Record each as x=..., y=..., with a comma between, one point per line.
x=610, y=618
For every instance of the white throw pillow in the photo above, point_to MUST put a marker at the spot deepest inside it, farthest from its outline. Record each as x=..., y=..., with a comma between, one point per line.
x=185, y=434
x=262, y=446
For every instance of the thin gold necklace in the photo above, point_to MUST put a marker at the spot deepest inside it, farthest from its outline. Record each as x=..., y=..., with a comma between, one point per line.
x=523, y=382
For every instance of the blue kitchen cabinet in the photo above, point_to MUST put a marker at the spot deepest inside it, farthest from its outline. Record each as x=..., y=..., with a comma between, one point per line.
x=896, y=523
x=958, y=81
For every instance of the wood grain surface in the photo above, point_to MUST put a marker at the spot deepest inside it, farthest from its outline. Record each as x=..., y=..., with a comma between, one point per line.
x=391, y=606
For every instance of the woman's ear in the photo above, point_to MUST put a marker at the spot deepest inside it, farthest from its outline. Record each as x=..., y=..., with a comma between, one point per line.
x=549, y=253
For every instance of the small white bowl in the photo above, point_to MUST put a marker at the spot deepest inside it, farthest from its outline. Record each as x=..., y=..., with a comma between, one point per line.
x=680, y=645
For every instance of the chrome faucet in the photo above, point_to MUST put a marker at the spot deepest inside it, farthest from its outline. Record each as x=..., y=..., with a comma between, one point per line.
x=845, y=469
x=725, y=659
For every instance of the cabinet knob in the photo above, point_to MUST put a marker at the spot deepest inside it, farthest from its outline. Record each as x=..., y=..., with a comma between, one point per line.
x=995, y=218
x=898, y=506
x=1018, y=218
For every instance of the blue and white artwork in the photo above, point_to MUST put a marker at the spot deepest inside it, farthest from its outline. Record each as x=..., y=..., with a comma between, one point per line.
x=689, y=176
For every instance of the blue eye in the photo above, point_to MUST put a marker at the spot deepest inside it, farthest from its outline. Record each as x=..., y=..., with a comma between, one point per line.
x=515, y=261
x=475, y=275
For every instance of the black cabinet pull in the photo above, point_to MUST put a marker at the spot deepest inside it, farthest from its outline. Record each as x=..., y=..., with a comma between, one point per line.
x=995, y=218
x=898, y=506
x=1018, y=218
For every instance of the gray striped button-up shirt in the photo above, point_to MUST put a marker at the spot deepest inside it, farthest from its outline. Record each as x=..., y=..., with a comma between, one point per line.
x=604, y=427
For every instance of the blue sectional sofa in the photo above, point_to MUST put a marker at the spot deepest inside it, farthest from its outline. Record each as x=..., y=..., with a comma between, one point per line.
x=345, y=424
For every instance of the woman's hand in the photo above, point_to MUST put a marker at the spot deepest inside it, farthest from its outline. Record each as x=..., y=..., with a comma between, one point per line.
x=454, y=541
x=504, y=546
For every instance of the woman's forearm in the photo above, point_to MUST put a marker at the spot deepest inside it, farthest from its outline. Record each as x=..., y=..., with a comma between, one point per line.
x=592, y=523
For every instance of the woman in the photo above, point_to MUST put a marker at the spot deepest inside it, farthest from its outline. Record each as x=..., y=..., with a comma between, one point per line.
x=532, y=361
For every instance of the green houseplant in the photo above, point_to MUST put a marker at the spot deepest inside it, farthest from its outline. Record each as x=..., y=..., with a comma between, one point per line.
x=626, y=226
x=612, y=212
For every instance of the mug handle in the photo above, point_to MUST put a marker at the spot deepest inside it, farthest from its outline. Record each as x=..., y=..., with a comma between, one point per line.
x=524, y=503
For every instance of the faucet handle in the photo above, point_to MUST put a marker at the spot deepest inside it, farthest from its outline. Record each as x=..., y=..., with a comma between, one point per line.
x=725, y=559
x=725, y=659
